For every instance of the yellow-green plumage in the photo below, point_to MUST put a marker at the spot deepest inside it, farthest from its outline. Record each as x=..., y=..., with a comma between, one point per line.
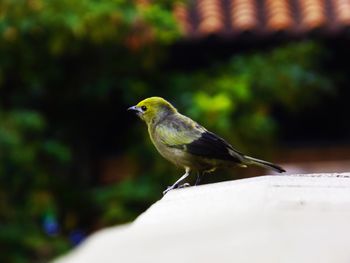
x=186, y=143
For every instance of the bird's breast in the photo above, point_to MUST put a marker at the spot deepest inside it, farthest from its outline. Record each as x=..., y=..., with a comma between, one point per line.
x=174, y=155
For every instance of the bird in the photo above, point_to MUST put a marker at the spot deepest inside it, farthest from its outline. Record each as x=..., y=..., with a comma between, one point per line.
x=188, y=144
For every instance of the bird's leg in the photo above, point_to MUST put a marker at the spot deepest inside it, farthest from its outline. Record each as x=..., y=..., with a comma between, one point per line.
x=176, y=184
x=199, y=174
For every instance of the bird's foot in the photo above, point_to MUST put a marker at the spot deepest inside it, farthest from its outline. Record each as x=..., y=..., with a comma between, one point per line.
x=175, y=186
x=184, y=185
x=169, y=189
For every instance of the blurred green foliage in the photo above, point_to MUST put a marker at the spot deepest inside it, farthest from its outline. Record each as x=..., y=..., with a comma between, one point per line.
x=68, y=70
x=236, y=97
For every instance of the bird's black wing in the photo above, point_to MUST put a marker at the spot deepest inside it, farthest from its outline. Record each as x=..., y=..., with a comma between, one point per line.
x=209, y=145
x=179, y=131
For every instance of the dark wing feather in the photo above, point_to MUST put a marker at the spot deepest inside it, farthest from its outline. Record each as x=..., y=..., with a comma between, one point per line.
x=178, y=131
x=211, y=146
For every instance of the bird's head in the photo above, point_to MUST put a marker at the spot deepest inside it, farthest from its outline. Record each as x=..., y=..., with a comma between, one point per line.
x=153, y=109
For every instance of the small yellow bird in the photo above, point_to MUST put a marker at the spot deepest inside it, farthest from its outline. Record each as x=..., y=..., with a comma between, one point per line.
x=187, y=144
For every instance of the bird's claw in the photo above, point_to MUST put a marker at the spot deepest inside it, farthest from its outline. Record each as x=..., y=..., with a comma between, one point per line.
x=184, y=185
x=175, y=186
x=168, y=189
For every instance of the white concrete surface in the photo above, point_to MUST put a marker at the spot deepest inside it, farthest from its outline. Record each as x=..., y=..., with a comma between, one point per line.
x=282, y=219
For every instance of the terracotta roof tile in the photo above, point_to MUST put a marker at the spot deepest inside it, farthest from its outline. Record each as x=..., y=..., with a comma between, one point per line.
x=200, y=18
x=278, y=15
x=181, y=13
x=312, y=13
x=210, y=16
x=243, y=15
x=342, y=11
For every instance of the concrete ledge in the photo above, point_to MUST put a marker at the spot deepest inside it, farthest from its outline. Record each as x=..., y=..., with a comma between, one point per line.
x=299, y=218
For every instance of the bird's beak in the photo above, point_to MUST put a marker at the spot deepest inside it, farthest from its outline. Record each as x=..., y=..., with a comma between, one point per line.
x=135, y=109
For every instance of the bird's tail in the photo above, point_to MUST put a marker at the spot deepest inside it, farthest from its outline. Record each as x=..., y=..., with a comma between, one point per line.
x=263, y=163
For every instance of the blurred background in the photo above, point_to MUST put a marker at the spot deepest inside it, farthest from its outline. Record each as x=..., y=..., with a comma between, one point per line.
x=270, y=76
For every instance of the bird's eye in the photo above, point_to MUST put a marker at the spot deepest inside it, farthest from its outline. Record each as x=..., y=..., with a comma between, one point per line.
x=144, y=108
